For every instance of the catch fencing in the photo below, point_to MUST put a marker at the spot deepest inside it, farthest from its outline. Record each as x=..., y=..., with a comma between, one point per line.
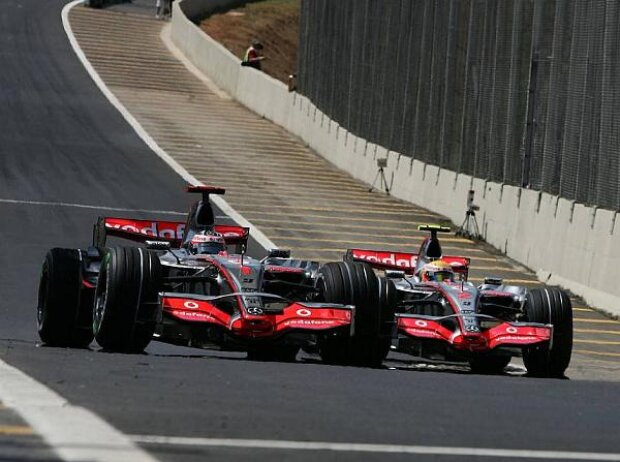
x=523, y=92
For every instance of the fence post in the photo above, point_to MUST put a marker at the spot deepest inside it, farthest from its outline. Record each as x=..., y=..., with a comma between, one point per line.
x=533, y=92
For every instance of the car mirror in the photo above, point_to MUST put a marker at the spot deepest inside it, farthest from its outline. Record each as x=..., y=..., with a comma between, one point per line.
x=394, y=274
x=279, y=253
x=158, y=245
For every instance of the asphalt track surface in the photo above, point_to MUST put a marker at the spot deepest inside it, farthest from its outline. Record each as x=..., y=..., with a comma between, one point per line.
x=62, y=142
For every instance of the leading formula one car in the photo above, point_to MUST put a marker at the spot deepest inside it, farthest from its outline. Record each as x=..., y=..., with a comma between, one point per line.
x=182, y=286
x=441, y=315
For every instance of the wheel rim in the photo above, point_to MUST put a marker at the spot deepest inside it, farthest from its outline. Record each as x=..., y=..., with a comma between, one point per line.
x=42, y=297
x=101, y=296
x=319, y=295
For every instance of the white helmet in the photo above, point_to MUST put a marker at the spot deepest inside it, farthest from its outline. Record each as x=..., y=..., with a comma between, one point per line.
x=206, y=242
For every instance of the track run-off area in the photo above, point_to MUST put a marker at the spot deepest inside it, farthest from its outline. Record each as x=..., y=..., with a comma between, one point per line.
x=67, y=155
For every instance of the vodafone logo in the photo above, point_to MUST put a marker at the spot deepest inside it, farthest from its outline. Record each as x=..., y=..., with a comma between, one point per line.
x=303, y=312
x=190, y=305
x=154, y=229
x=421, y=323
x=389, y=259
x=511, y=330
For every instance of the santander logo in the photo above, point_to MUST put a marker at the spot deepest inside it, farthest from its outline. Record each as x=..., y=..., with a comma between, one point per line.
x=399, y=260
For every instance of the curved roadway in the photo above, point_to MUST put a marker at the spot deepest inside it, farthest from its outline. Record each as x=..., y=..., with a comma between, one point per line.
x=61, y=142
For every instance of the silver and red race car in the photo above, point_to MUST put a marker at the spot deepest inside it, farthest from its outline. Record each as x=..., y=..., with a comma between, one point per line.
x=190, y=283
x=441, y=315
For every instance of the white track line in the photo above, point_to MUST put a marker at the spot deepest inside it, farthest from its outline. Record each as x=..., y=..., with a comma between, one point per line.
x=74, y=433
x=100, y=207
x=91, y=207
x=375, y=448
x=257, y=234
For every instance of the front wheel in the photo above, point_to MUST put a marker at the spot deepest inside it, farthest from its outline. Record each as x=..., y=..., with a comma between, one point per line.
x=127, y=305
x=374, y=300
x=64, y=306
x=549, y=305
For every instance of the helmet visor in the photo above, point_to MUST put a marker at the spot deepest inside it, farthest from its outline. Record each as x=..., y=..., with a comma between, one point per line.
x=211, y=248
x=441, y=276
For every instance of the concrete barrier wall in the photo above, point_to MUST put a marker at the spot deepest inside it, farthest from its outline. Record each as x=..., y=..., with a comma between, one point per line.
x=567, y=244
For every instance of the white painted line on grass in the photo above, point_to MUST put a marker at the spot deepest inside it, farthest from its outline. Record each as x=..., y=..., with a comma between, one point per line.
x=257, y=234
x=74, y=433
x=375, y=448
x=90, y=207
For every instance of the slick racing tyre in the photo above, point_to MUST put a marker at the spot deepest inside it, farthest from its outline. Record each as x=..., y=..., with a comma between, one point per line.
x=64, y=308
x=127, y=306
x=549, y=305
x=374, y=300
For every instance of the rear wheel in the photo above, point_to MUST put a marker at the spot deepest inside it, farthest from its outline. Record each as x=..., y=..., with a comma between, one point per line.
x=550, y=305
x=64, y=307
x=127, y=306
x=374, y=300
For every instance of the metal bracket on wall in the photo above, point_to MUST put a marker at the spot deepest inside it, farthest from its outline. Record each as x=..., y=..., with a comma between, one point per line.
x=593, y=216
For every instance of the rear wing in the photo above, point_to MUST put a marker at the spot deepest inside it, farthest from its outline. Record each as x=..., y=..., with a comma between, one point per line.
x=402, y=261
x=170, y=231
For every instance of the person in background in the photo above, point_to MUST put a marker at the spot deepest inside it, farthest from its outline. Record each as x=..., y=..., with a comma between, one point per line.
x=253, y=55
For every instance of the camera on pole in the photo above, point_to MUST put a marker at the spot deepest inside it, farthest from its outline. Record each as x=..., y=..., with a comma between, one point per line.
x=469, y=227
x=381, y=164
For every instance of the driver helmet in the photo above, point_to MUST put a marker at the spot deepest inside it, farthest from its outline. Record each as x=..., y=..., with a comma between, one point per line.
x=207, y=243
x=437, y=271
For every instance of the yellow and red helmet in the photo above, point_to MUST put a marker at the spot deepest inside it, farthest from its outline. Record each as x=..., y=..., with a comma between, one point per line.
x=438, y=271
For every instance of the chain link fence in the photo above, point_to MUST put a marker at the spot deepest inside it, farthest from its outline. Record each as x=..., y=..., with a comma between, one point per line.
x=524, y=92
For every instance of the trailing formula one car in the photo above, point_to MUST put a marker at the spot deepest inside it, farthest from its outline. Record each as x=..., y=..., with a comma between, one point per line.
x=182, y=286
x=441, y=315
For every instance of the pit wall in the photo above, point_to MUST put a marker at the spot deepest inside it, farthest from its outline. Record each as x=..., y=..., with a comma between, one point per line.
x=566, y=243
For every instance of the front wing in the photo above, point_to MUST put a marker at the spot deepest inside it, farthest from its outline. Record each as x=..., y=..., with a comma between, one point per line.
x=505, y=334
x=296, y=316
